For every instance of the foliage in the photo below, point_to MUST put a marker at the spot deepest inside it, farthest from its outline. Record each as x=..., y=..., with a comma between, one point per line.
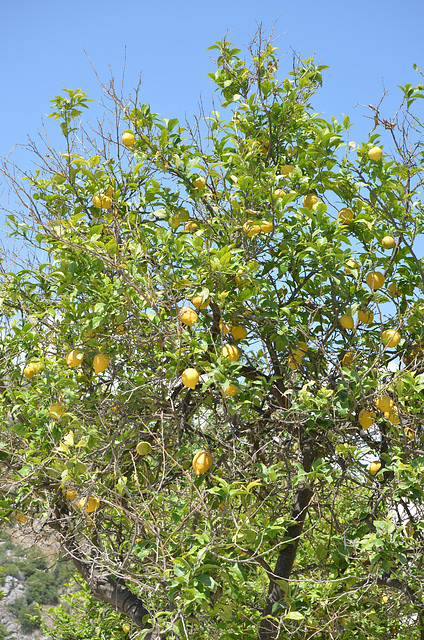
x=288, y=534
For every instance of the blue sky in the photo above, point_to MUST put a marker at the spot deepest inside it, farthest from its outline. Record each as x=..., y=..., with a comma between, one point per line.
x=42, y=50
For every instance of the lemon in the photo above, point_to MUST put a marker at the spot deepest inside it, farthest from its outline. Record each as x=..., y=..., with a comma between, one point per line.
x=392, y=416
x=384, y=403
x=56, y=410
x=375, y=153
x=366, y=418
x=294, y=366
x=266, y=227
x=239, y=332
x=188, y=316
x=388, y=242
x=347, y=359
x=89, y=504
x=279, y=193
x=351, y=264
x=174, y=222
x=31, y=369
x=375, y=467
x=190, y=378
x=21, y=517
x=230, y=352
x=128, y=139
x=192, y=226
x=251, y=229
x=197, y=302
x=199, y=183
x=224, y=328
x=143, y=448
x=74, y=358
x=97, y=201
x=345, y=216
x=393, y=290
x=375, y=280
x=202, y=462
x=346, y=321
x=71, y=494
x=106, y=202
x=365, y=316
x=126, y=628
x=390, y=338
x=230, y=391
x=109, y=191
x=287, y=169
x=100, y=362
x=309, y=200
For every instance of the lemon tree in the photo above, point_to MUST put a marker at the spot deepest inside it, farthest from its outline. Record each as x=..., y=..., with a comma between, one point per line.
x=212, y=379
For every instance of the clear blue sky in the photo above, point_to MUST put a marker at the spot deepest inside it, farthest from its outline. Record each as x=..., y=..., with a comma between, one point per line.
x=42, y=50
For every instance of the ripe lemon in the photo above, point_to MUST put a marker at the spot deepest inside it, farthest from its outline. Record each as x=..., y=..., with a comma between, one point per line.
x=388, y=242
x=392, y=416
x=100, y=362
x=89, y=504
x=251, y=229
x=230, y=391
x=375, y=467
x=97, y=201
x=190, y=378
x=365, y=316
x=21, y=517
x=279, y=193
x=347, y=359
x=56, y=410
x=239, y=332
x=106, y=202
x=109, y=191
x=174, y=222
x=224, y=328
x=287, y=169
x=71, y=494
x=31, y=369
x=74, y=358
x=375, y=153
x=266, y=227
x=393, y=290
x=384, y=403
x=202, y=462
x=230, y=352
x=197, y=302
x=188, y=316
x=346, y=321
x=351, y=264
x=192, y=226
x=199, y=183
x=366, y=418
x=128, y=139
x=309, y=200
x=126, y=628
x=390, y=338
x=143, y=448
x=345, y=216
x=375, y=280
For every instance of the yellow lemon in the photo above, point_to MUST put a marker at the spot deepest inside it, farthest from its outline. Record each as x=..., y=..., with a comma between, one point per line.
x=74, y=358
x=384, y=403
x=267, y=227
x=230, y=352
x=251, y=229
x=97, y=201
x=188, y=316
x=345, y=216
x=224, y=328
x=239, y=332
x=230, y=391
x=89, y=504
x=365, y=316
x=351, y=264
x=375, y=153
x=393, y=290
x=393, y=415
x=202, y=462
x=366, y=418
x=287, y=169
x=375, y=467
x=56, y=410
x=279, y=193
x=100, y=362
x=31, y=369
x=309, y=200
x=390, y=338
x=346, y=321
x=388, y=242
x=199, y=183
x=192, y=226
x=71, y=494
x=21, y=517
x=190, y=378
x=128, y=139
x=375, y=280
x=143, y=448
x=126, y=628
x=197, y=302
x=347, y=359
x=106, y=202
x=174, y=222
